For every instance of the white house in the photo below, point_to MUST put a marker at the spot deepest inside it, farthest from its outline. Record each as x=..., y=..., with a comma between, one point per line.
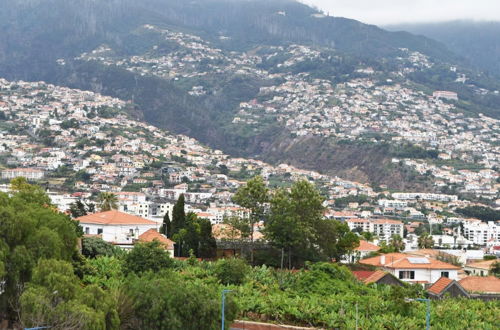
x=116, y=227
x=414, y=269
x=362, y=251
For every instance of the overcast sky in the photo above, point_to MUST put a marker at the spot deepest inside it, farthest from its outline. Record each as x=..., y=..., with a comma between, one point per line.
x=408, y=11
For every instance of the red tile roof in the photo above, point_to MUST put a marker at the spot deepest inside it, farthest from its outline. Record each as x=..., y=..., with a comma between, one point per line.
x=485, y=264
x=367, y=246
x=489, y=284
x=114, y=217
x=375, y=276
x=363, y=274
x=402, y=260
x=440, y=285
x=152, y=235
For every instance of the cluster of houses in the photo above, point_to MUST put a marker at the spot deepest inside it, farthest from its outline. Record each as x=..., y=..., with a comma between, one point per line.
x=440, y=272
x=356, y=109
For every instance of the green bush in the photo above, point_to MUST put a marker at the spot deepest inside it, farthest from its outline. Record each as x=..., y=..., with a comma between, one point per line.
x=231, y=271
x=147, y=257
x=168, y=300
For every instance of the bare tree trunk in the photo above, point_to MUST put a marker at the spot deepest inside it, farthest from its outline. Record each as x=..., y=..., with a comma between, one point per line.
x=282, y=257
x=251, y=246
x=290, y=258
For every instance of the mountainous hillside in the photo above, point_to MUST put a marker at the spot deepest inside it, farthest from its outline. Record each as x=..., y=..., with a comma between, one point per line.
x=478, y=42
x=270, y=79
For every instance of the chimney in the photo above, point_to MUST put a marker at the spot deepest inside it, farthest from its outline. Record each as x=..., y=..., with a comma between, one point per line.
x=382, y=260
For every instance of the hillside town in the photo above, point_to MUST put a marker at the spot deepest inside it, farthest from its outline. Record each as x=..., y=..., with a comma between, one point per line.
x=367, y=106
x=257, y=165
x=78, y=143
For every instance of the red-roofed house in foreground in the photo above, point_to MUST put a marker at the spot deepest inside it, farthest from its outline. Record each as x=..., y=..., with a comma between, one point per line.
x=446, y=287
x=413, y=269
x=116, y=227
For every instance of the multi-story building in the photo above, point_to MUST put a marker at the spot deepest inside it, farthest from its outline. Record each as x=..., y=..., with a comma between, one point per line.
x=425, y=196
x=30, y=174
x=481, y=233
x=445, y=95
x=383, y=228
x=393, y=203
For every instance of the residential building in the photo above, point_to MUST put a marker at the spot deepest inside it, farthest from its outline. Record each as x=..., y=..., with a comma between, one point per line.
x=378, y=277
x=480, y=233
x=116, y=227
x=413, y=269
x=29, y=174
x=446, y=286
x=480, y=268
x=153, y=235
x=386, y=228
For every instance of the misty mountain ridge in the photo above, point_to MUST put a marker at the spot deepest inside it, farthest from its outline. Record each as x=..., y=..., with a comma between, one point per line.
x=476, y=41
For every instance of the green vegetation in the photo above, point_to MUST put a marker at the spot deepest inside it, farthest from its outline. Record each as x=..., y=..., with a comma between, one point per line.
x=107, y=201
x=480, y=212
x=50, y=284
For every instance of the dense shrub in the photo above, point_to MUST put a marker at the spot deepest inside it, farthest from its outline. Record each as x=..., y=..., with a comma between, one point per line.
x=231, y=271
x=168, y=300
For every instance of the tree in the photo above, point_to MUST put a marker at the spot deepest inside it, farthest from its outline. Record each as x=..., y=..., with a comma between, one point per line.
x=196, y=237
x=28, y=192
x=55, y=297
x=495, y=269
x=253, y=196
x=368, y=236
x=93, y=247
x=207, y=247
x=283, y=229
x=335, y=239
x=178, y=217
x=294, y=219
x=79, y=209
x=107, y=201
x=166, y=226
x=425, y=241
x=170, y=301
x=397, y=243
x=144, y=257
x=30, y=230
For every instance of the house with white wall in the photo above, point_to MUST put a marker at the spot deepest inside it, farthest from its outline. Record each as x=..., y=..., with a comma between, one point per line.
x=116, y=227
x=413, y=269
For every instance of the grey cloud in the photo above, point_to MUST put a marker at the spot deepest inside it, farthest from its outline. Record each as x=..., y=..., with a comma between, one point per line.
x=406, y=11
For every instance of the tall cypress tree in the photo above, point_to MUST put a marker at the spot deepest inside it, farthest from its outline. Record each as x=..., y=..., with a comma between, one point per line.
x=166, y=227
x=178, y=216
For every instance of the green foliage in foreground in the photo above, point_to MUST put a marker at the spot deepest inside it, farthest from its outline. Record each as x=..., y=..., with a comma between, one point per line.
x=46, y=284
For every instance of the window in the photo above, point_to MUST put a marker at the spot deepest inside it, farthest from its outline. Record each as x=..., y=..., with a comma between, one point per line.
x=445, y=274
x=87, y=230
x=99, y=231
x=406, y=275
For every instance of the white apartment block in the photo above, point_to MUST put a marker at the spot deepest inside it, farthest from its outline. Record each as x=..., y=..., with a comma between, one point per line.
x=425, y=196
x=396, y=204
x=383, y=228
x=29, y=174
x=480, y=233
x=218, y=214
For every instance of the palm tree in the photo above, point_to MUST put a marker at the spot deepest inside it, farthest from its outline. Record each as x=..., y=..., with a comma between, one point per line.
x=107, y=201
x=397, y=243
x=425, y=241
